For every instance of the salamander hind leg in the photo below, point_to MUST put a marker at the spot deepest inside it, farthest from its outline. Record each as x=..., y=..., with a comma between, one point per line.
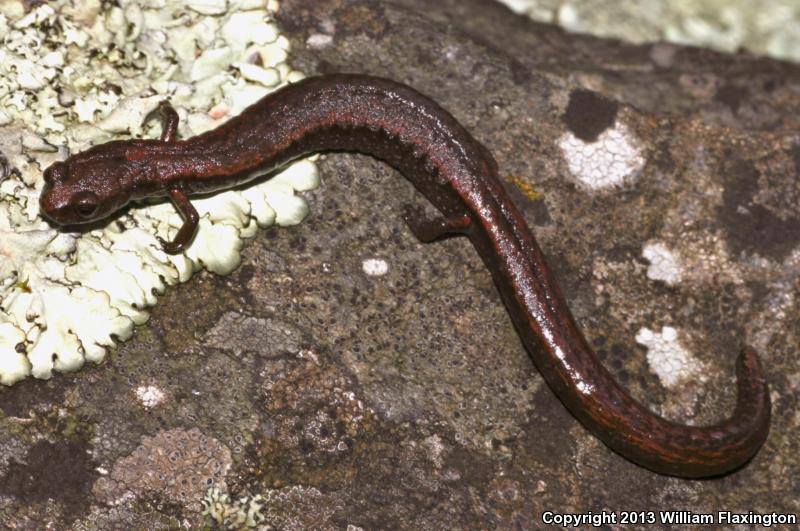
x=428, y=229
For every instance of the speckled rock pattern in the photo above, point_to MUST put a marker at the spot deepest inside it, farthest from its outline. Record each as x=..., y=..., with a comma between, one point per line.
x=406, y=400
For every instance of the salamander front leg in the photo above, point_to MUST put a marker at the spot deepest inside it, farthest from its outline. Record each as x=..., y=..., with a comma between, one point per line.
x=188, y=229
x=428, y=229
x=169, y=121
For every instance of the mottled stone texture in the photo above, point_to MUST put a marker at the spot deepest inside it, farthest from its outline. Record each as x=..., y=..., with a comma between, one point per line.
x=407, y=401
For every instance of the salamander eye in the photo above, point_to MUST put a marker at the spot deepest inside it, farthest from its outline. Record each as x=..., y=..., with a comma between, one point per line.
x=85, y=204
x=55, y=173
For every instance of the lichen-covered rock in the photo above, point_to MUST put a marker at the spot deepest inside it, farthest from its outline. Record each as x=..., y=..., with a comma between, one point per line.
x=291, y=509
x=376, y=382
x=177, y=465
x=96, y=75
x=769, y=27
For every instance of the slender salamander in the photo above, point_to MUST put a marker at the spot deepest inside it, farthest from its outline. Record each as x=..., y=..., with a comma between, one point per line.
x=409, y=131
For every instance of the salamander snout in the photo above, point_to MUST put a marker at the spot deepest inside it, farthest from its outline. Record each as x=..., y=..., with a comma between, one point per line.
x=53, y=202
x=57, y=172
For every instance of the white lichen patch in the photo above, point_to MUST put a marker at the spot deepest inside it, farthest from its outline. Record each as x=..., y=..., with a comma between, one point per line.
x=667, y=358
x=295, y=507
x=244, y=513
x=79, y=74
x=149, y=395
x=763, y=27
x=13, y=365
x=610, y=161
x=375, y=267
x=665, y=264
x=435, y=449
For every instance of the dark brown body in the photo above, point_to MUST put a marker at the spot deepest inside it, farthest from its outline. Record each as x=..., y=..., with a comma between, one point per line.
x=457, y=174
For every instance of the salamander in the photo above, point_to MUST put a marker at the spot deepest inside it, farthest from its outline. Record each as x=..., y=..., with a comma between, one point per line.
x=459, y=176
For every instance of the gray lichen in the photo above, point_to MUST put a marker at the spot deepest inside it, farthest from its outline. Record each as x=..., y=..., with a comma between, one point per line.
x=177, y=465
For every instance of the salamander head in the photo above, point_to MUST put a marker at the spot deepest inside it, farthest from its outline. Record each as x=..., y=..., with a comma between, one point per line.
x=88, y=186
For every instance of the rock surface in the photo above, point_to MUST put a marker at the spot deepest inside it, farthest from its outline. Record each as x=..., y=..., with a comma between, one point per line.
x=405, y=399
